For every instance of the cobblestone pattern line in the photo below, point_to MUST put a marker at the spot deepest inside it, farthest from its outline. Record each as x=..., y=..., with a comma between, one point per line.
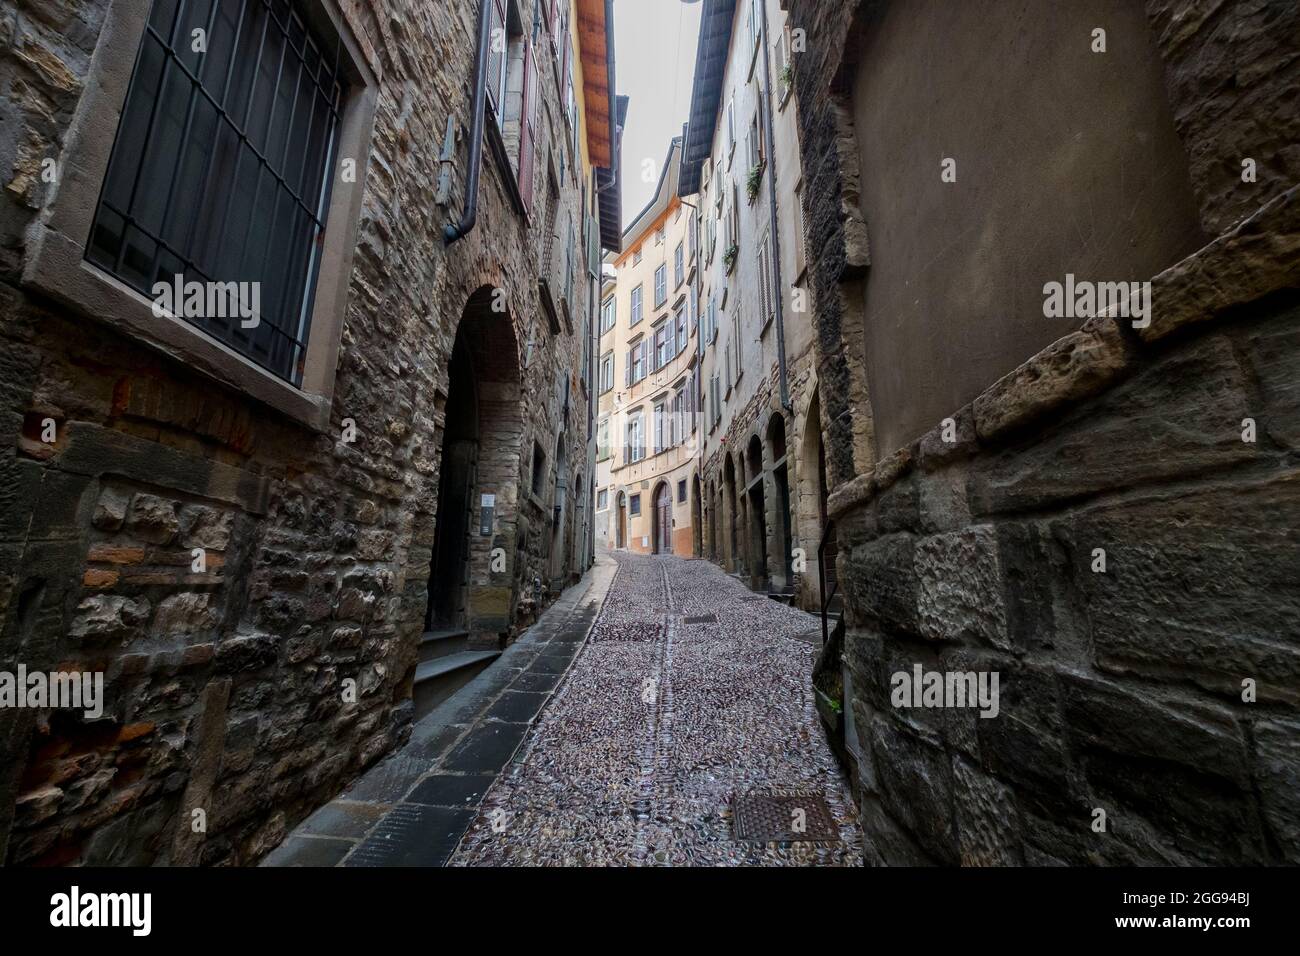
x=613, y=775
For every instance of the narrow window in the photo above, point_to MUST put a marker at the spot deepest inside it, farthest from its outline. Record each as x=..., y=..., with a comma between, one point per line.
x=637, y=311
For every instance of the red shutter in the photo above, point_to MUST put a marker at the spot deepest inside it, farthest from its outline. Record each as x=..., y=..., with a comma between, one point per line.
x=527, y=130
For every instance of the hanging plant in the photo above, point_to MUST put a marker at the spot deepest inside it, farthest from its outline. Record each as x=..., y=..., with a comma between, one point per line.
x=729, y=257
x=753, y=180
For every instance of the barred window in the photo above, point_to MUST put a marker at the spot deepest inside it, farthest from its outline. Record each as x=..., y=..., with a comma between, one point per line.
x=219, y=179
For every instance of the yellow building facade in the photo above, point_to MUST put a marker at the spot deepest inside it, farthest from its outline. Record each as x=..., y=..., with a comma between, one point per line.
x=647, y=493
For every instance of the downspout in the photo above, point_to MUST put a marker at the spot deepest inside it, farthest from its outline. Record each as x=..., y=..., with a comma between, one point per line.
x=454, y=232
x=776, y=231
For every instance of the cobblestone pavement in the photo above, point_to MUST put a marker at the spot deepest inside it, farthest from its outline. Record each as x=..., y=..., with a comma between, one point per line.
x=664, y=717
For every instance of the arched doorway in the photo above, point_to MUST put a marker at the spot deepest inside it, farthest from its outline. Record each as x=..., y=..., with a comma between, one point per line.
x=731, y=539
x=620, y=522
x=781, y=522
x=560, y=530
x=449, y=572
x=812, y=508
x=697, y=518
x=474, y=517
x=715, y=515
x=757, y=505
x=662, y=520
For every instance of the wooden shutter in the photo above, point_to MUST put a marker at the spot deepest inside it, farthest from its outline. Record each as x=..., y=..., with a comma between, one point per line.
x=528, y=128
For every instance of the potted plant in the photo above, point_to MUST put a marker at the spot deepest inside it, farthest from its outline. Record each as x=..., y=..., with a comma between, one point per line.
x=753, y=180
x=729, y=257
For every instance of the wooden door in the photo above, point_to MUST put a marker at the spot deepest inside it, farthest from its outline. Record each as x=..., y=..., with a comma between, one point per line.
x=664, y=522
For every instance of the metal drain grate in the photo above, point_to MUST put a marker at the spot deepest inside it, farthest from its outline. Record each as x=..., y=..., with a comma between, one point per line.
x=701, y=619
x=769, y=818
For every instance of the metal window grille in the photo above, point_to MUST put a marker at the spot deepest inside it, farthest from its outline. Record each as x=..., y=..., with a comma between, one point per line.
x=220, y=169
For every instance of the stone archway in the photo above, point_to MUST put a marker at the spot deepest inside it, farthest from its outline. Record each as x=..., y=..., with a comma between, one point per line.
x=812, y=493
x=478, y=476
x=731, y=535
x=756, y=505
x=779, y=507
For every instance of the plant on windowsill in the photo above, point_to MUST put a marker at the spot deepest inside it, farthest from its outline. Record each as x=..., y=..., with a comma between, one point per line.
x=787, y=80
x=729, y=258
x=754, y=179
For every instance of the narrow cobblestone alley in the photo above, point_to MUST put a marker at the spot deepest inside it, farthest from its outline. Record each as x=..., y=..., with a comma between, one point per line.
x=619, y=730
x=690, y=690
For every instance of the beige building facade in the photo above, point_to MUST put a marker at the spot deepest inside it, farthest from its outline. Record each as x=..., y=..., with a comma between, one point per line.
x=647, y=428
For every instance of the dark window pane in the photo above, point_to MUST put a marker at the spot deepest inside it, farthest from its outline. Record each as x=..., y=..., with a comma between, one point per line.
x=134, y=126
x=186, y=196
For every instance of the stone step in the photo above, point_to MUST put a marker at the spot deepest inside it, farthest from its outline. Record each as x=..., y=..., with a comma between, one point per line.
x=435, y=644
x=437, y=679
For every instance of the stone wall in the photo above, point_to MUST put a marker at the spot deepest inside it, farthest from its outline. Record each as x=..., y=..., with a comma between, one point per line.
x=1109, y=527
x=224, y=687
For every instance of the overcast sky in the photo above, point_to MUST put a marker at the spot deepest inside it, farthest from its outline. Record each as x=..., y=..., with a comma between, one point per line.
x=654, y=46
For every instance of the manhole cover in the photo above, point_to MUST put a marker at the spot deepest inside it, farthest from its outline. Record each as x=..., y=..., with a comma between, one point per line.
x=701, y=619
x=766, y=818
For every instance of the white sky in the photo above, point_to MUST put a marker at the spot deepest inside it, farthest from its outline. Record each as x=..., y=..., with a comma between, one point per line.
x=654, y=48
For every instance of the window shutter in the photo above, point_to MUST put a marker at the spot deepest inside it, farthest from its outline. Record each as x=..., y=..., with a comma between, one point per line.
x=497, y=57
x=564, y=65
x=527, y=128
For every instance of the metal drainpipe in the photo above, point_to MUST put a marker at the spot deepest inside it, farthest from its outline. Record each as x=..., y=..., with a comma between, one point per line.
x=454, y=232
x=776, y=231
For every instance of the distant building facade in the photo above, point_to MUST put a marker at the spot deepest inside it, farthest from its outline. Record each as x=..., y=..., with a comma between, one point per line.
x=647, y=426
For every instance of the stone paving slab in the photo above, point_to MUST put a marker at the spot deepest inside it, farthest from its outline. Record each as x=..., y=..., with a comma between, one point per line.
x=412, y=807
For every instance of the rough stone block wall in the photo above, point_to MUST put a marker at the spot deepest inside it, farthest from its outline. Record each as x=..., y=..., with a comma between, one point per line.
x=1160, y=686
x=224, y=688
